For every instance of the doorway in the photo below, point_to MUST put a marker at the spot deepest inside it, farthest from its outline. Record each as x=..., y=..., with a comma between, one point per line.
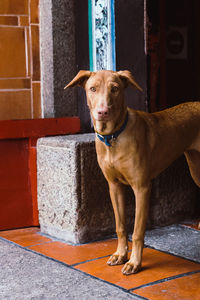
x=174, y=44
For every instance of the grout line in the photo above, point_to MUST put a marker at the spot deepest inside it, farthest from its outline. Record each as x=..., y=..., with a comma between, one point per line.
x=93, y=259
x=43, y=243
x=89, y=260
x=110, y=283
x=165, y=280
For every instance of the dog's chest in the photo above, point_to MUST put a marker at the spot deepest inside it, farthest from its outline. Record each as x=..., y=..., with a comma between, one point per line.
x=113, y=165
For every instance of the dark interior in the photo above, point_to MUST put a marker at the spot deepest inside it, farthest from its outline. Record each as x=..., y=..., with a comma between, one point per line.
x=173, y=52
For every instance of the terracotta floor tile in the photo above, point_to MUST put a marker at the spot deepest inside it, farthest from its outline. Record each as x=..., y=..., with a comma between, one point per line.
x=25, y=237
x=156, y=266
x=76, y=254
x=18, y=232
x=185, y=288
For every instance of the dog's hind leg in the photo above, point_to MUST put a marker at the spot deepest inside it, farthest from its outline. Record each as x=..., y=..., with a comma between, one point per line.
x=193, y=160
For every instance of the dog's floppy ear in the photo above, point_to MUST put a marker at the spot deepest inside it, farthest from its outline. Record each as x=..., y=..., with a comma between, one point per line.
x=128, y=78
x=80, y=79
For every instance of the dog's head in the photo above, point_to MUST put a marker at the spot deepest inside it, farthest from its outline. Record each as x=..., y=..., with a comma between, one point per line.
x=104, y=90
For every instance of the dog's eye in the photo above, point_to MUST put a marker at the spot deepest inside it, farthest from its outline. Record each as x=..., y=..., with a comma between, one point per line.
x=114, y=89
x=93, y=89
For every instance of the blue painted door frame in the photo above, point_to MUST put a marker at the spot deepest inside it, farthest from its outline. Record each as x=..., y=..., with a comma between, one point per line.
x=101, y=15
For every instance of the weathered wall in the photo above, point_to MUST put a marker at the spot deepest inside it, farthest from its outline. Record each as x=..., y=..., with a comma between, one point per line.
x=64, y=51
x=57, y=56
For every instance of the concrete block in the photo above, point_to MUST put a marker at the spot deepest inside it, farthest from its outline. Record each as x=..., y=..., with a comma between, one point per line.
x=73, y=196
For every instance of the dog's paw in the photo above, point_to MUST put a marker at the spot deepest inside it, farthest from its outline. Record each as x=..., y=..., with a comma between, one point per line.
x=116, y=259
x=130, y=268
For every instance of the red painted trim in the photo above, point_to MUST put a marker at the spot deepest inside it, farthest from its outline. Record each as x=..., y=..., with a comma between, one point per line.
x=18, y=162
x=14, y=129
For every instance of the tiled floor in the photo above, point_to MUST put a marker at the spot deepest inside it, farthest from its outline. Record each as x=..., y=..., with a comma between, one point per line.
x=164, y=276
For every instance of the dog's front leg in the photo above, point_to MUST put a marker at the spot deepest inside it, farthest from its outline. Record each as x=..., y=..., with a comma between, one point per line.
x=118, y=202
x=142, y=195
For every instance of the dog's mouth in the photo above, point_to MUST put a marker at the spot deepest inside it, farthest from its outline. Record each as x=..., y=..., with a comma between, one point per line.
x=102, y=118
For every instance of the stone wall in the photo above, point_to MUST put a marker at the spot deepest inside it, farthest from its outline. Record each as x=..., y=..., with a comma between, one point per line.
x=64, y=51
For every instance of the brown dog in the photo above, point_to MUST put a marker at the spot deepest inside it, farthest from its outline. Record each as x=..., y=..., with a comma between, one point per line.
x=133, y=147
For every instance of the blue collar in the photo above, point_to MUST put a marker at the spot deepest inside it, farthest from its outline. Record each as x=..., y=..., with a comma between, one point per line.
x=107, y=138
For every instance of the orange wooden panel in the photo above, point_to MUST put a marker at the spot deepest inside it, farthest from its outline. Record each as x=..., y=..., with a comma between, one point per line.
x=8, y=20
x=15, y=83
x=34, y=4
x=23, y=20
x=15, y=105
x=14, y=7
x=35, y=53
x=12, y=52
x=36, y=100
